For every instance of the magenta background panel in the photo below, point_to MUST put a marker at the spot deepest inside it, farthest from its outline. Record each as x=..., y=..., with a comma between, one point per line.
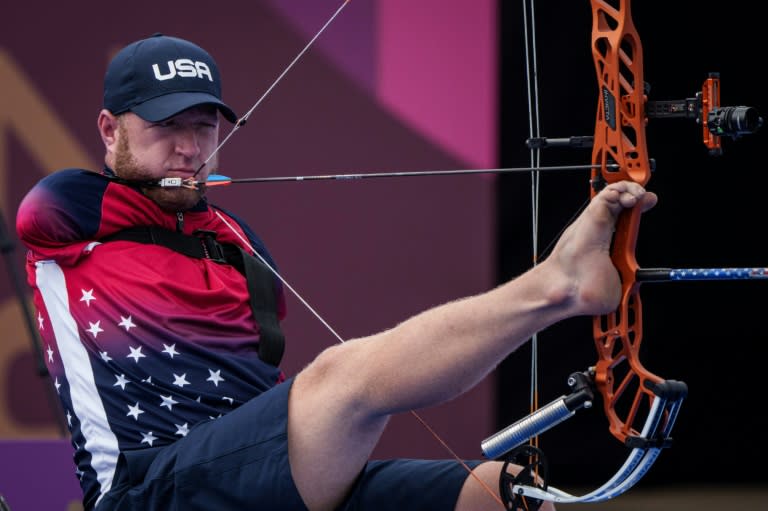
x=437, y=71
x=432, y=63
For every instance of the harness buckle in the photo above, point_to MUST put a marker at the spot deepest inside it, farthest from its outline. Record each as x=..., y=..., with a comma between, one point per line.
x=212, y=248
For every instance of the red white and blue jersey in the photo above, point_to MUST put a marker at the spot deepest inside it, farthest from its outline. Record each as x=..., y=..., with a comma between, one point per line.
x=142, y=342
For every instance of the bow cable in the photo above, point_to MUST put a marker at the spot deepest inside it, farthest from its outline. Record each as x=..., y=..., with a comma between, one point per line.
x=240, y=123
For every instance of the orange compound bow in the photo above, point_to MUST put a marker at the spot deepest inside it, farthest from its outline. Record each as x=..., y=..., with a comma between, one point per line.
x=618, y=153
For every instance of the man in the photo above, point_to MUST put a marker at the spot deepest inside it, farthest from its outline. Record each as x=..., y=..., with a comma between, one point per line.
x=162, y=331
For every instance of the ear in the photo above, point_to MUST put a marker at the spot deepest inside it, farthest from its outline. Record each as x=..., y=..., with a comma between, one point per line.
x=107, y=124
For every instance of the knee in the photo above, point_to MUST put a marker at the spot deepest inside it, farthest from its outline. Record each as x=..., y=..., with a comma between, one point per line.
x=333, y=378
x=333, y=388
x=324, y=369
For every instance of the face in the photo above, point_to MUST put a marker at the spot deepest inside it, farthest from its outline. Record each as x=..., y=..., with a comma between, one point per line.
x=175, y=147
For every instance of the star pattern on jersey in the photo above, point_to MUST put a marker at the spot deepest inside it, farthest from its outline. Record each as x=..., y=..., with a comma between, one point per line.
x=95, y=328
x=180, y=380
x=160, y=389
x=148, y=438
x=215, y=376
x=135, y=353
x=170, y=350
x=134, y=411
x=127, y=323
x=40, y=321
x=87, y=296
x=168, y=402
x=121, y=381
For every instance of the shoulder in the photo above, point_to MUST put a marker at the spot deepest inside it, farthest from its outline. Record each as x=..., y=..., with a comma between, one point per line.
x=65, y=203
x=69, y=186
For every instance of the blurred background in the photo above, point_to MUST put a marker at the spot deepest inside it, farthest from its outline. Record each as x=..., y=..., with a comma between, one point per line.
x=429, y=85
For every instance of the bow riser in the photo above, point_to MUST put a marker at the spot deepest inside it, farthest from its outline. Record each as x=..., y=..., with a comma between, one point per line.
x=620, y=139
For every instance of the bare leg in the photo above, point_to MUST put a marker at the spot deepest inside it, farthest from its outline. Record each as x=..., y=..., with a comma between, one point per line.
x=340, y=404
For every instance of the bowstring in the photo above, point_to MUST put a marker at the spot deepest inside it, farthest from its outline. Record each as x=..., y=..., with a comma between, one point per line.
x=241, y=122
x=532, y=87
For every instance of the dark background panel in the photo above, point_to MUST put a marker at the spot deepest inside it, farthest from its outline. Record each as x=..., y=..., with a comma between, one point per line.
x=711, y=213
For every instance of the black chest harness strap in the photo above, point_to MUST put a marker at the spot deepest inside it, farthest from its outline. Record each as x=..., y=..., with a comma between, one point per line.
x=261, y=283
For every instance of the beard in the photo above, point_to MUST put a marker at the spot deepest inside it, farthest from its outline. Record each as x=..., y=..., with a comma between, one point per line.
x=169, y=199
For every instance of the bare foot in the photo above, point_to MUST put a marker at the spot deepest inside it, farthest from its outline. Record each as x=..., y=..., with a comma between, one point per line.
x=583, y=251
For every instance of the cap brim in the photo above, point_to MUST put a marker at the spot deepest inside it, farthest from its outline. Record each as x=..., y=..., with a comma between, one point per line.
x=162, y=107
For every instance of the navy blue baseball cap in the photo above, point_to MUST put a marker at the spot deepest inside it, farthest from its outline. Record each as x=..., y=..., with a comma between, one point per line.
x=161, y=76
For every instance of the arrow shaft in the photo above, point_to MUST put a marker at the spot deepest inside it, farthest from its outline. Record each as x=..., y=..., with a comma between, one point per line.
x=222, y=180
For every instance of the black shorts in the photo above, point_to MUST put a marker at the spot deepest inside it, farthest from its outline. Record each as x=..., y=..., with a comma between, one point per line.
x=240, y=461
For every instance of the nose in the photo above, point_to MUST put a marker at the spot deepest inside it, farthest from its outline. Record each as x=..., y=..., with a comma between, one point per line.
x=187, y=143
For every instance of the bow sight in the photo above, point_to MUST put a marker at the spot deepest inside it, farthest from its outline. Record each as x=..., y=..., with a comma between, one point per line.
x=716, y=121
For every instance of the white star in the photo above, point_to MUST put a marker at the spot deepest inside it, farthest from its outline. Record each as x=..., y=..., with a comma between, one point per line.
x=87, y=296
x=126, y=323
x=180, y=381
x=50, y=353
x=168, y=402
x=104, y=356
x=171, y=350
x=57, y=384
x=148, y=438
x=136, y=354
x=95, y=328
x=121, y=381
x=182, y=429
x=69, y=418
x=39, y=321
x=148, y=380
x=215, y=377
x=228, y=399
x=134, y=411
